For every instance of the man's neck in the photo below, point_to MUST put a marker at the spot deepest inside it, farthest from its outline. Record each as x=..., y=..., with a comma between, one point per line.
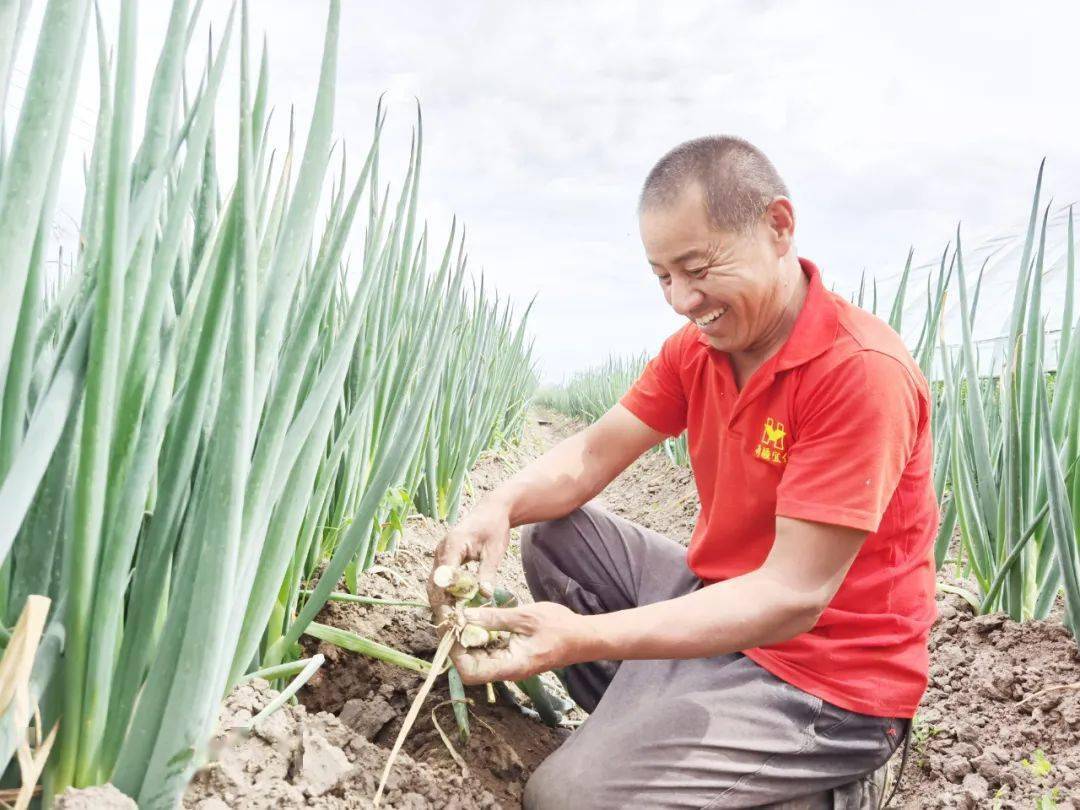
x=745, y=363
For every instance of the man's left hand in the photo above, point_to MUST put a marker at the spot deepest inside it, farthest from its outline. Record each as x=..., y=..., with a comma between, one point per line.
x=543, y=636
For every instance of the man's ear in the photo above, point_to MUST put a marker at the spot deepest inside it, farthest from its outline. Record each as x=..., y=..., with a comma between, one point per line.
x=779, y=218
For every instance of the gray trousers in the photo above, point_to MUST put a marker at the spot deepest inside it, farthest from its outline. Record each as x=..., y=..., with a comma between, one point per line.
x=702, y=733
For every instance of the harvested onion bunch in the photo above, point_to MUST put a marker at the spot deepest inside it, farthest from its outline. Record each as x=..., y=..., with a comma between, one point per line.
x=461, y=585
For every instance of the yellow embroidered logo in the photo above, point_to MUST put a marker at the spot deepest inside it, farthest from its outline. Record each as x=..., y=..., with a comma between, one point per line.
x=771, y=447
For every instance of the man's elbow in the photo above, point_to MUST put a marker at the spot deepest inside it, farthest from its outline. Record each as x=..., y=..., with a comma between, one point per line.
x=802, y=611
x=808, y=617
x=795, y=606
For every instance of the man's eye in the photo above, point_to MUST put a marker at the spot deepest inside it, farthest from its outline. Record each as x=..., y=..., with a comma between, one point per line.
x=699, y=272
x=664, y=279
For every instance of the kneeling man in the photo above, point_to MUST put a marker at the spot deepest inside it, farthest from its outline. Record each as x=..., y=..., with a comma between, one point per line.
x=781, y=656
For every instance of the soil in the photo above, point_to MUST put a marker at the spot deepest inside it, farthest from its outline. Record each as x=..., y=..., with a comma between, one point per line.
x=297, y=758
x=984, y=713
x=999, y=693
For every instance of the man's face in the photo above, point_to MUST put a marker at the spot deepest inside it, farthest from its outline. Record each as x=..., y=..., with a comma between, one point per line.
x=732, y=286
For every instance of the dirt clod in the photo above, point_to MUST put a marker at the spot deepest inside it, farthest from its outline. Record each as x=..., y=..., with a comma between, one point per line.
x=367, y=717
x=320, y=765
x=105, y=797
x=976, y=787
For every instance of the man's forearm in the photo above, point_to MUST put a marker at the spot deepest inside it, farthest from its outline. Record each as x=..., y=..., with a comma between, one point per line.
x=741, y=613
x=574, y=470
x=561, y=480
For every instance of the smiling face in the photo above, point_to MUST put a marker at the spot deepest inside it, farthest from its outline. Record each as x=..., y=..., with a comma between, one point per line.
x=742, y=291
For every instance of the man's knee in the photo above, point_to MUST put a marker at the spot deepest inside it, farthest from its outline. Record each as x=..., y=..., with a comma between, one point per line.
x=531, y=541
x=543, y=543
x=538, y=549
x=538, y=789
x=557, y=785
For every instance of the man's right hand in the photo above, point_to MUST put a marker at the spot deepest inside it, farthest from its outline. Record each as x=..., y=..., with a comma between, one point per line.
x=483, y=535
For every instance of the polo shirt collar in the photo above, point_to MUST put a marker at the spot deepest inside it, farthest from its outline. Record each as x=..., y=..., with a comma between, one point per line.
x=815, y=327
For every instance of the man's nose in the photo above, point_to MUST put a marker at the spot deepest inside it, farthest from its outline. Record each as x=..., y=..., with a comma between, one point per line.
x=684, y=298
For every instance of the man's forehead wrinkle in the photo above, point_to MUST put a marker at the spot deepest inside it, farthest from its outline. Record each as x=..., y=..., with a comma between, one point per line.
x=682, y=258
x=693, y=253
x=712, y=249
x=707, y=252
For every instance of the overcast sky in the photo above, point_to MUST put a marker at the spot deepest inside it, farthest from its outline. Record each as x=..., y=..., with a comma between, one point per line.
x=890, y=123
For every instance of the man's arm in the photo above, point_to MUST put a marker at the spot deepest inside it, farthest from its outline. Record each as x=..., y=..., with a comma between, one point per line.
x=776, y=602
x=562, y=479
x=780, y=600
x=575, y=470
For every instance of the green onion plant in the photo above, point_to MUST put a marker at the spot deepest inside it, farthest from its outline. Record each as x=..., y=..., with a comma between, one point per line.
x=214, y=413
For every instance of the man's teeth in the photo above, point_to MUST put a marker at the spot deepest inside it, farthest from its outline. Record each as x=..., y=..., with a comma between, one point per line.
x=712, y=316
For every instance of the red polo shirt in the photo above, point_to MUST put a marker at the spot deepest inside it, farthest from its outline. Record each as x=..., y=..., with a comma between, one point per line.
x=834, y=428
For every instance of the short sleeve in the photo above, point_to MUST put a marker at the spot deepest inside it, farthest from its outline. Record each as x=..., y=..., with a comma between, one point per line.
x=856, y=432
x=657, y=397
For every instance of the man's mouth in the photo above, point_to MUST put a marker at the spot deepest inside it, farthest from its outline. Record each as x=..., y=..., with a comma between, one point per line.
x=705, y=320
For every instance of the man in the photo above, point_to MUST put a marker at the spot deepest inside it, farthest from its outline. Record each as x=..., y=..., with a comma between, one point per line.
x=782, y=655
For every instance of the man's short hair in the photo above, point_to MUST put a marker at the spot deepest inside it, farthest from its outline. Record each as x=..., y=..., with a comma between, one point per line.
x=738, y=180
